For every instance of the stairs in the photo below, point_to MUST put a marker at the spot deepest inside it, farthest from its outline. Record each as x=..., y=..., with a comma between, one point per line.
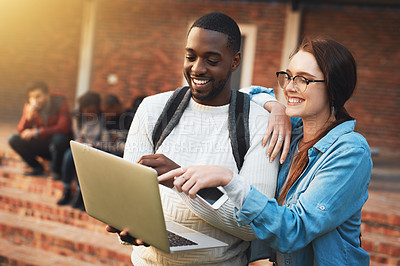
x=381, y=228
x=35, y=231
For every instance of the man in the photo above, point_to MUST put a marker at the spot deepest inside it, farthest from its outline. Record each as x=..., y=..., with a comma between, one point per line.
x=44, y=129
x=201, y=137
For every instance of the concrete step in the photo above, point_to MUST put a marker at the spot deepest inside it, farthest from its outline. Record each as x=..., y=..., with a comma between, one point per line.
x=13, y=254
x=384, y=250
x=381, y=214
x=44, y=185
x=35, y=197
x=63, y=240
x=44, y=207
x=12, y=159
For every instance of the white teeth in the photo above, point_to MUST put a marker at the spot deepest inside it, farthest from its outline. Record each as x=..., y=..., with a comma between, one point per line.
x=295, y=100
x=200, y=81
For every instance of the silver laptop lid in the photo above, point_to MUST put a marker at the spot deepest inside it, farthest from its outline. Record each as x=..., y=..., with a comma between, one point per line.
x=109, y=186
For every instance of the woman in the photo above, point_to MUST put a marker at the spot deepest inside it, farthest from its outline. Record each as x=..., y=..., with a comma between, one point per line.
x=323, y=184
x=88, y=126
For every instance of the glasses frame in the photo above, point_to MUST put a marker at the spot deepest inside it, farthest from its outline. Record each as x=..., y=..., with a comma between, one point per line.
x=308, y=81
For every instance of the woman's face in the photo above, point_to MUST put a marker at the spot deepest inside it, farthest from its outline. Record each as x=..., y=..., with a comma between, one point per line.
x=313, y=103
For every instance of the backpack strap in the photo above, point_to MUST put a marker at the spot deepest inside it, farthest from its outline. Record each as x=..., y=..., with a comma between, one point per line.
x=170, y=115
x=239, y=125
x=238, y=121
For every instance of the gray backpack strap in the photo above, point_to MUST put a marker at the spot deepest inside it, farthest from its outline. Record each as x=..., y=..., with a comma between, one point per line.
x=238, y=121
x=170, y=115
x=239, y=109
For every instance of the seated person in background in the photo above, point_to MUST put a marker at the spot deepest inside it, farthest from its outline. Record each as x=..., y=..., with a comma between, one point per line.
x=118, y=122
x=44, y=129
x=89, y=126
x=135, y=105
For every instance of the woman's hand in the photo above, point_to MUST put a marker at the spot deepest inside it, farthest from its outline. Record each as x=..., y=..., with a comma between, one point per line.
x=279, y=131
x=193, y=178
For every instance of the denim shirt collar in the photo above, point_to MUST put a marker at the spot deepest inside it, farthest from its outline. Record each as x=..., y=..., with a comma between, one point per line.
x=323, y=144
x=313, y=153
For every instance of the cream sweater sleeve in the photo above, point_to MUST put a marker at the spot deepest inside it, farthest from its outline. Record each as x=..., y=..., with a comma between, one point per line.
x=256, y=170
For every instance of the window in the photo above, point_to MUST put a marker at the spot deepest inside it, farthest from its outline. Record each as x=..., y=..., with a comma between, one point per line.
x=243, y=76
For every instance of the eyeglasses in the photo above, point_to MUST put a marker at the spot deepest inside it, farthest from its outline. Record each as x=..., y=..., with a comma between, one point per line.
x=299, y=82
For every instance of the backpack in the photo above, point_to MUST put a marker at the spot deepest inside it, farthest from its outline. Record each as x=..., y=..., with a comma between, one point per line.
x=238, y=121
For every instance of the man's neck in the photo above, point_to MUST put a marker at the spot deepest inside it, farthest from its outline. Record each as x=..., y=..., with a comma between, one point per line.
x=223, y=98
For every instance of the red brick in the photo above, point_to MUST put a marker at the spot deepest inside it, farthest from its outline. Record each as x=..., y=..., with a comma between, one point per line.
x=389, y=249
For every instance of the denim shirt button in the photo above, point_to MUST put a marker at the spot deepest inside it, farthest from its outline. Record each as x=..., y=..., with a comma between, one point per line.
x=288, y=261
x=322, y=208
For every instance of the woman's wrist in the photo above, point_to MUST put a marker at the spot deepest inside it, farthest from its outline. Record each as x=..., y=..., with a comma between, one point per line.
x=237, y=190
x=227, y=177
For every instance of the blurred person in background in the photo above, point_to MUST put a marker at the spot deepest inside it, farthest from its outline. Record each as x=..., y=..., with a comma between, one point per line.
x=89, y=127
x=135, y=104
x=118, y=121
x=44, y=129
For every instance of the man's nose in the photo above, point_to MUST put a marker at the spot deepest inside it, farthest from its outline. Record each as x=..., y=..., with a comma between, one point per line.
x=199, y=67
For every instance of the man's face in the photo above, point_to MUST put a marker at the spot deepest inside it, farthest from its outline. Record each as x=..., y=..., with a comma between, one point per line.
x=38, y=99
x=208, y=66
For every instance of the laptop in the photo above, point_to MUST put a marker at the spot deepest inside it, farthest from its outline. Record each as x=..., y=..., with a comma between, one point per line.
x=126, y=195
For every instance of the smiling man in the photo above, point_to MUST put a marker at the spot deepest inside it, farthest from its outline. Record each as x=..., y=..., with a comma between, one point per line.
x=201, y=135
x=209, y=63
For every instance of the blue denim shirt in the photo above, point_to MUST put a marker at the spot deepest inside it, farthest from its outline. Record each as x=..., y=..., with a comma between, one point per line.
x=321, y=220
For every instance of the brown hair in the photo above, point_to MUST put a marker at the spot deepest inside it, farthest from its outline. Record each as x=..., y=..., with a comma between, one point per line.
x=340, y=75
x=38, y=85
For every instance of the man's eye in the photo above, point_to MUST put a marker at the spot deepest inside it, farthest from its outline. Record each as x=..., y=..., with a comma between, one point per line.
x=190, y=57
x=212, y=62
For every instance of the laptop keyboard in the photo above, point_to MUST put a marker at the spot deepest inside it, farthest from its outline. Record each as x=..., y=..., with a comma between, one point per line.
x=177, y=241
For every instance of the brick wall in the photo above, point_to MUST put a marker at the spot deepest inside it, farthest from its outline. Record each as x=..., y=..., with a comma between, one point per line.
x=143, y=45
x=373, y=36
x=39, y=41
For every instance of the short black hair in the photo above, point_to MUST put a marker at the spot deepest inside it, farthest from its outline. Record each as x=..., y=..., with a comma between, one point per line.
x=38, y=85
x=89, y=99
x=221, y=23
x=111, y=100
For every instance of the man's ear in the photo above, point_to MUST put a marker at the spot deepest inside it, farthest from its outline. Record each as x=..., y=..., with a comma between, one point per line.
x=236, y=61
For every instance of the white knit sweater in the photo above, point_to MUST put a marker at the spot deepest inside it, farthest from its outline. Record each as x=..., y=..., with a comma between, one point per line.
x=202, y=138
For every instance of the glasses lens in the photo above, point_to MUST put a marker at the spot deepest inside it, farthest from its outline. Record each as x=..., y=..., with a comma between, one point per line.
x=300, y=83
x=283, y=80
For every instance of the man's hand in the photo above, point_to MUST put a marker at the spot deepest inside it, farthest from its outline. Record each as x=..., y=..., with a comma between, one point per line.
x=161, y=163
x=31, y=109
x=279, y=131
x=29, y=133
x=124, y=236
